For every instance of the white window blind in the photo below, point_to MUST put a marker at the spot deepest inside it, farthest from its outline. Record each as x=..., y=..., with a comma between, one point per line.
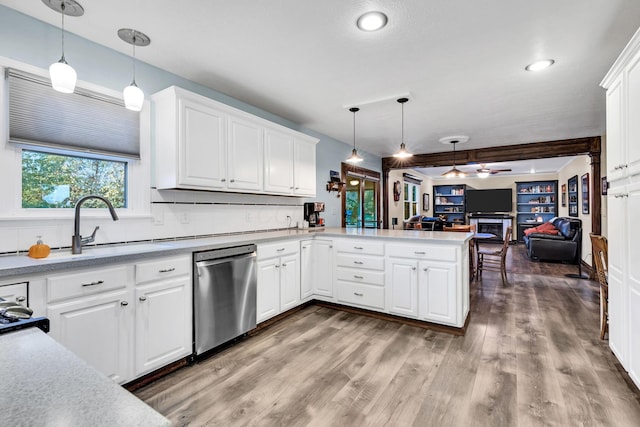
x=83, y=121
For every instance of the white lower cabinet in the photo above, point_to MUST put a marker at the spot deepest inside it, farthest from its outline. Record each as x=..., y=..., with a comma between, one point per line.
x=402, y=284
x=316, y=269
x=360, y=271
x=122, y=329
x=437, y=292
x=278, y=276
x=99, y=329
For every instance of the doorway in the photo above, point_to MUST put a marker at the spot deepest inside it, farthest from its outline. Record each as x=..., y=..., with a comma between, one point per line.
x=361, y=197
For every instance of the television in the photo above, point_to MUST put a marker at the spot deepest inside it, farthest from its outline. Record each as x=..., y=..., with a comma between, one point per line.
x=489, y=201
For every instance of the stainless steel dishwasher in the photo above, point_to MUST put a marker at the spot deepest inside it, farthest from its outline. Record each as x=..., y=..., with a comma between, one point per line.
x=224, y=295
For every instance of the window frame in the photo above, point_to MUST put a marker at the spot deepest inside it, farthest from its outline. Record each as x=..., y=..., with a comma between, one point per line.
x=138, y=171
x=407, y=190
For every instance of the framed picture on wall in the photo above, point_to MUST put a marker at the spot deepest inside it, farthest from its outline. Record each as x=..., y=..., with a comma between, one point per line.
x=585, y=192
x=564, y=194
x=425, y=201
x=572, y=195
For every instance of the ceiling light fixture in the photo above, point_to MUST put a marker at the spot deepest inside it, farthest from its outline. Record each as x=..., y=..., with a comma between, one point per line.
x=133, y=95
x=483, y=174
x=372, y=21
x=63, y=76
x=454, y=172
x=540, y=65
x=354, y=182
x=355, y=158
x=403, y=153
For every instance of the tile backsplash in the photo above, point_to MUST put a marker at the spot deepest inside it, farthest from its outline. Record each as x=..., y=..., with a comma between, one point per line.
x=174, y=214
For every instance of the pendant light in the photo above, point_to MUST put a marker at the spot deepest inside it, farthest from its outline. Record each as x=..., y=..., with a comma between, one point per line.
x=454, y=172
x=403, y=153
x=63, y=76
x=133, y=95
x=355, y=158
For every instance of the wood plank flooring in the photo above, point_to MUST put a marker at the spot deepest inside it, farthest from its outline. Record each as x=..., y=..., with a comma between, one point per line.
x=531, y=356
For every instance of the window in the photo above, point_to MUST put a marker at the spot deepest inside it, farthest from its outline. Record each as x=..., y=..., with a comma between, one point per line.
x=411, y=200
x=58, y=180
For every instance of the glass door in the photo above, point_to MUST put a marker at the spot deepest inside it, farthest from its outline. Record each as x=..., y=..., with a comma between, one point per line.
x=361, y=202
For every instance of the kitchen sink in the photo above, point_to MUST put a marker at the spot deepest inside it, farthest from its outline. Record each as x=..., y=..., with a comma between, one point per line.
x=105, y=251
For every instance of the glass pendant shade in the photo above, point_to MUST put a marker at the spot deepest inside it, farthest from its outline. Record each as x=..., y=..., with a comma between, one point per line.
x=133, y=97
x=402, y=153
x=454, y=173
x=355, y=158
x=63, y=76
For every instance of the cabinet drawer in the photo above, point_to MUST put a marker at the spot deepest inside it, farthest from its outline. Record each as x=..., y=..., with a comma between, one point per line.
x=361, y=294
x=360, y=247
x=163, y=268
x=272, y=250
x=437, y=253
x=86, y=283
x=361, y=276
x=360, y=261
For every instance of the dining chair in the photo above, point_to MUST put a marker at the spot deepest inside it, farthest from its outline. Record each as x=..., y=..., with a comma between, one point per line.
x=462, y=228
x=495, y=260
x=599, y=249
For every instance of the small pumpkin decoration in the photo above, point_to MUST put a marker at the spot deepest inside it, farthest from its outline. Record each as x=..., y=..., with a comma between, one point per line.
x=39, y=250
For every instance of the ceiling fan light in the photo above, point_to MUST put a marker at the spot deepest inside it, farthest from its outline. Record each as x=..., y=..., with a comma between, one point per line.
x=483, y=174
x=63, y=76
x=133, y=97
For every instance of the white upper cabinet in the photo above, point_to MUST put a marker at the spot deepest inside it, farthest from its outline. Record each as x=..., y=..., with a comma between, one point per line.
x=202, y=144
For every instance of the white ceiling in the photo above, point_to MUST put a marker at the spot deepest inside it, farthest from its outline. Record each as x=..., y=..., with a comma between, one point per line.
x=461, y=63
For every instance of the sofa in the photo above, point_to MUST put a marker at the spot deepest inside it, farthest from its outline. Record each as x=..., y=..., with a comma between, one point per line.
x=560, y=239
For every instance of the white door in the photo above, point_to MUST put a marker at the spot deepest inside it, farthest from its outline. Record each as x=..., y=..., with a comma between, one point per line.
x=278, y=162
x=615, y=120
x=304, y=168
x=437, y=292
x=289, y=281
x=202, y=143
x=632, y=137
x=307, y=275
x=633, y=282
x=402, y=286
x=163, y=323
x=324, y=267
x=618, y=258
x=16, y=292
x=98, y=330
x=245, y=158
x=268, y=292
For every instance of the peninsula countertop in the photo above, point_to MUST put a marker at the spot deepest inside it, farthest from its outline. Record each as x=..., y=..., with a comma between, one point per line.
x=44, y=384
x=13, y=265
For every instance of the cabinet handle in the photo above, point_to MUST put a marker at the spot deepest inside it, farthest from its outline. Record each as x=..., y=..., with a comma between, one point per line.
x=358, y=247
x=420, y=253
x=358, y=277
x=277, y=266
x=143, y=298
x=358, y=294
x=99, y=282
x=223, y=180
x=290, y=188
x=358, y=262
x=296, y=188
x=167, y=270
x=425, y=269
x=232, y=180
x=20, y=299
x=280, y=250
x=330, y=246
x=413, y=268
x=284, y=265
x=124, y=303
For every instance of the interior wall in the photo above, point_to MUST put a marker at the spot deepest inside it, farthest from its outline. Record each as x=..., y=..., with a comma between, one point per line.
x=603, y=201
x=579, y=166
x=396, y=209
x=26, y=40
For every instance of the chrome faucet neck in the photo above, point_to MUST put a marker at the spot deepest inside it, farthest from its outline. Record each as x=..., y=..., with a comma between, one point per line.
x=77, y=241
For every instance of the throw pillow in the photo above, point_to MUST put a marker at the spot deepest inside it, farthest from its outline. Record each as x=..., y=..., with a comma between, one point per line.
x=546, y=228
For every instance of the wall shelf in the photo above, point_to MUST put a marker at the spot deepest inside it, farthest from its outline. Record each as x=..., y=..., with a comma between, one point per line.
x=536, y=203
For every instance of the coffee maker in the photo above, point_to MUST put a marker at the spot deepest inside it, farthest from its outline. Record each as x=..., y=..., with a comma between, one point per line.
x=312, y=213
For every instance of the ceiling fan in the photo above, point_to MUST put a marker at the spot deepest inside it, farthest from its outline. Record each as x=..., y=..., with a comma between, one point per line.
x=484, y=171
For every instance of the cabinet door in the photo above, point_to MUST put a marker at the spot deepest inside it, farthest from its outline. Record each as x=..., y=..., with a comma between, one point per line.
x=278, y=162
x=163, y=323
x=289, y=281
x=245, y=155
x=98, y=330
x=615, y=135
x=324, y=267
x=16, y=292
x=304, y=168
x=307, y=275
x=402, y=286
x=618, y=256
x=633, y=282
x=268, y=292
x=632, y=137
x=202, y=142
x=437, y=292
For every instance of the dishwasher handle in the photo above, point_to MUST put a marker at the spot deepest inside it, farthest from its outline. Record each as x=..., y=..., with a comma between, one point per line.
x=208, y=263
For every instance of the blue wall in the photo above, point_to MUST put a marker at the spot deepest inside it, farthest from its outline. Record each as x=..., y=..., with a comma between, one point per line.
x=28, y=40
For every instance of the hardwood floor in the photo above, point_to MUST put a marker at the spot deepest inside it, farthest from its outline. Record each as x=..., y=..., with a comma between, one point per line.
x=531, y=356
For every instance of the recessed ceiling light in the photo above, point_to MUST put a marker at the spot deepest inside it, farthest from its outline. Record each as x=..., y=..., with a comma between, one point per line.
x=372, y=21
x=540, y=65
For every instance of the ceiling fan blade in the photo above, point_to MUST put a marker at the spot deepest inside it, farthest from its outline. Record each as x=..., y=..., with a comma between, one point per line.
x=494, y=171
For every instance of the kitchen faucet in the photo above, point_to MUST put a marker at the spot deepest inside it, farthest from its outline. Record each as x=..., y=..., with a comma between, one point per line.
x=78, y=241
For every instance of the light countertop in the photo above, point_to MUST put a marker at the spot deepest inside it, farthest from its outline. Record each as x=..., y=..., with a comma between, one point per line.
x=44, y=384
x=14, y=265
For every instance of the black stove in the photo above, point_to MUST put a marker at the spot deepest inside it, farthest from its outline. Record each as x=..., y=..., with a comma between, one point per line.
x=10, y=324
